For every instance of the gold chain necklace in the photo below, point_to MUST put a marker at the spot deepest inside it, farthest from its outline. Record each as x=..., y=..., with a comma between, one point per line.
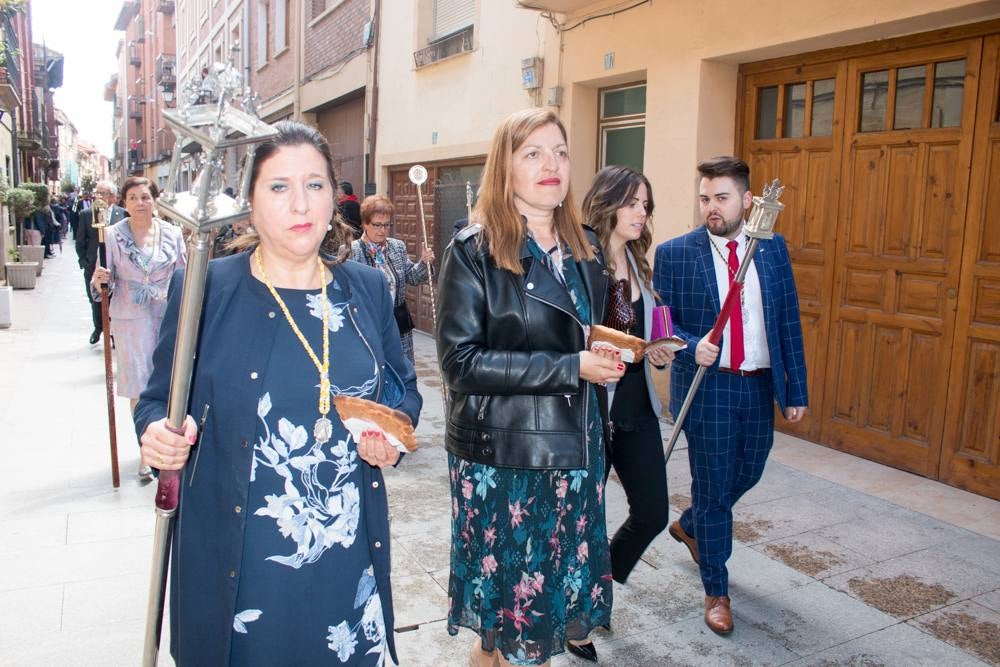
x=732, y=273
x=323, y=429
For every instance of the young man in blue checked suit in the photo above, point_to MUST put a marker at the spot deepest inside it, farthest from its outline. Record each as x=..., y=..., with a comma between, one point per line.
x=730, y=427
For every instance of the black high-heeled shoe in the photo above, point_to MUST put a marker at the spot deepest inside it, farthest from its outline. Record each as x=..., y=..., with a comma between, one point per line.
x=586, y=651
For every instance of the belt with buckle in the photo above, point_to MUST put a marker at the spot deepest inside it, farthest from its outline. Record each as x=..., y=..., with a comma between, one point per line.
x=747, y=374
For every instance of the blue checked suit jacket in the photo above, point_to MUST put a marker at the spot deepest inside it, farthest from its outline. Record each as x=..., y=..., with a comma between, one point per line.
x=684, y=278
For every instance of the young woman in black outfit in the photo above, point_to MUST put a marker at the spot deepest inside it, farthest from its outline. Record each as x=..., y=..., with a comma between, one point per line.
x=618, y=207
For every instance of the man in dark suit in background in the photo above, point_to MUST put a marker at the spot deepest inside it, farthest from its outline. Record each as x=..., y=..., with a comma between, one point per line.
x=730, y=428
x=87, y=242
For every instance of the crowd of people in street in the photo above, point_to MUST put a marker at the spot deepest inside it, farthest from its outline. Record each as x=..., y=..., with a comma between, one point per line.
x=281, y=552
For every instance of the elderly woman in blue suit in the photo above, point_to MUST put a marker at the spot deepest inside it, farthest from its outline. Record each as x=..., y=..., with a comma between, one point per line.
x=618, y=207
x=281, y=550
x=378, y=250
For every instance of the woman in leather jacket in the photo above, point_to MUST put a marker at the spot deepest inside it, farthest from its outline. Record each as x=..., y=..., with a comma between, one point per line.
x=519, y=290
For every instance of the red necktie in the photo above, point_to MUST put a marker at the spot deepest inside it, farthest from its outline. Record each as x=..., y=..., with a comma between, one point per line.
x=736, y=319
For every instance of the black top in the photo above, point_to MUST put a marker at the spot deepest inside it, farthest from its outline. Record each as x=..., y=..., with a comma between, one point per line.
x=631, y=399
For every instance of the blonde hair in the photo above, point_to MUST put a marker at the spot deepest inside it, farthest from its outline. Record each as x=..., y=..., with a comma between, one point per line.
x=503, y=226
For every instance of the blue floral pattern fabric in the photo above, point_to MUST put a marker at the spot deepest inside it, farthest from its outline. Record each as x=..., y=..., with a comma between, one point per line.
x=530, y=563
x=307, y=592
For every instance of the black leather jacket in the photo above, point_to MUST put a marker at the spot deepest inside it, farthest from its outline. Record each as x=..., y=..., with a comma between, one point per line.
x=509, y=350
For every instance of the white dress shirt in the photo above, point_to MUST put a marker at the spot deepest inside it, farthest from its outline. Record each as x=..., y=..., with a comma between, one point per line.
x=756, y=354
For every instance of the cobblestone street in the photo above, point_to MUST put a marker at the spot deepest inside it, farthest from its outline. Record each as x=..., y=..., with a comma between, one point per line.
x=838, y=560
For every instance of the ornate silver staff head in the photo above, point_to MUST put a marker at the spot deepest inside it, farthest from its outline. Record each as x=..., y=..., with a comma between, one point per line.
x=418, y=175
x=209, y=117
x=766, y=207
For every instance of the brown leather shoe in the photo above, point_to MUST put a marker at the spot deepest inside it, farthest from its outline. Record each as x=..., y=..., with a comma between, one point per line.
x=718, y=616
x=678, y=534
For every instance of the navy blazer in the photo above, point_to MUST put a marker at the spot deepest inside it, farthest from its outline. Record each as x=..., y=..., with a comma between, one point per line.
x=684, y=277
x=236, y=336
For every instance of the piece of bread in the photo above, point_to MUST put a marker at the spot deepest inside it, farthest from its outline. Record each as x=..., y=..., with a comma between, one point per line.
x=359, y=414
x=631, y=347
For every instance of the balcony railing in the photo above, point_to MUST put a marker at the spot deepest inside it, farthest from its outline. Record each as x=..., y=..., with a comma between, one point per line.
x=135, y=108
x=134, y=54
x=163, y=144
x=140, y=29
x=29, y=140
x=166, y=71
x=452, y=45
x=135, y=160
x=165, y=6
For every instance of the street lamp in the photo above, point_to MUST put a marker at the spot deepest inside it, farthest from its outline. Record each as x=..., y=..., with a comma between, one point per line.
x=168, y=93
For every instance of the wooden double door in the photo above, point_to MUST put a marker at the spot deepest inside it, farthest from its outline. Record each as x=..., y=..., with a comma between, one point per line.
x=891, y=160
x=444, y=197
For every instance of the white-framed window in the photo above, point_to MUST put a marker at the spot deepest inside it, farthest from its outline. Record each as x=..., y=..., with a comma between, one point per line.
x=261, y=49
x=622, y=126
x=281, y=25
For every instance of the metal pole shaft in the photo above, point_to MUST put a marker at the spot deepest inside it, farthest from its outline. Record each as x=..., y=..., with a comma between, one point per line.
x=109, y=386
x=168, y=484
x=714, y=336
x=430, y=279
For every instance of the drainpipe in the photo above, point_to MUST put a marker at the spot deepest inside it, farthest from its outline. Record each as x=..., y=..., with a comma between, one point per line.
x=245, y=34
x=300, y=54
x=17, y=172
x=373, y=118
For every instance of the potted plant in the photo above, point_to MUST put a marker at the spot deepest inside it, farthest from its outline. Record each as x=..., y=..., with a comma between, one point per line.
x=20, y=275
x=24, y=201
x=6, y=306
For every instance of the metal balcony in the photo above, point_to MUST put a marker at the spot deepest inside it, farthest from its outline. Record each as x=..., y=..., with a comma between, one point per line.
x=446, y=47
x=140, y=29
x=10, y=94
x=134, y=54
x=135, y=108
x=166, y=70
x=165, y=6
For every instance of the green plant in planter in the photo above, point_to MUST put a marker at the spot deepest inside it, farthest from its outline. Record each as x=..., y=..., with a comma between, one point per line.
x=14, y=254
x=21, y=201
x=41, y=194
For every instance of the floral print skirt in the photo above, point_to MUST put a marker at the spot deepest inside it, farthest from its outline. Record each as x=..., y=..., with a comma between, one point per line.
x=530, y=564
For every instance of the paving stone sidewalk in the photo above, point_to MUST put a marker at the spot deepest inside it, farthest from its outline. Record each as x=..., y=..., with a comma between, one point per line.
x=821, y=573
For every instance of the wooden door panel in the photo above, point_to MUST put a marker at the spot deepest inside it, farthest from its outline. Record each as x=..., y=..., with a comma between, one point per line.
x=904, y=198
x=846, y=397
x=971, y=455
x=900, y=203
x=408, y=229
x=865, y=207
x=808, y=167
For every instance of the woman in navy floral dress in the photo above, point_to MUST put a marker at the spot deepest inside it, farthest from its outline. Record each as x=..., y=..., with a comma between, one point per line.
x=281, y=546
x=520, y=287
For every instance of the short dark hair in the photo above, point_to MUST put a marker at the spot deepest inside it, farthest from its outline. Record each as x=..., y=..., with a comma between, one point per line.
x=346, y=188
x=136, y=181
x=726, y=165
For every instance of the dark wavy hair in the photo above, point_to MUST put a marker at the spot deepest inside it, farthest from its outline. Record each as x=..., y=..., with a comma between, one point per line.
x=336, y=245
x=613, y=188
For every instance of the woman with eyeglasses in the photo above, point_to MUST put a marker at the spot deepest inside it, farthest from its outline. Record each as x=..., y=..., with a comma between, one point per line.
x=375, y=248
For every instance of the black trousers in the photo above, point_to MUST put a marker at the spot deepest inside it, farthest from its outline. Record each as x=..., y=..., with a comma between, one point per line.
x=637, y=457
x=95, y=306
